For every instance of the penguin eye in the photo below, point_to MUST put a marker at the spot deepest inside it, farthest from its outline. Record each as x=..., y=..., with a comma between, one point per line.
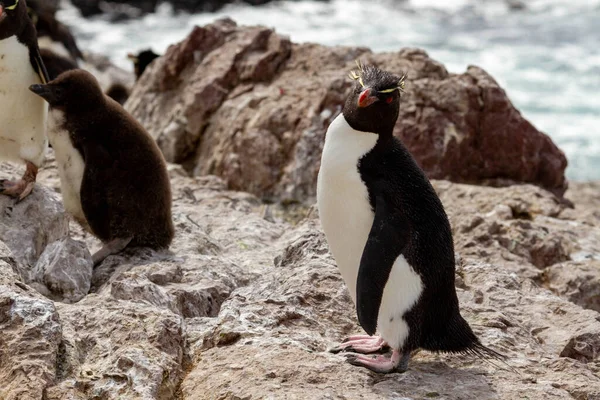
x=389, y=99
x=13, y=6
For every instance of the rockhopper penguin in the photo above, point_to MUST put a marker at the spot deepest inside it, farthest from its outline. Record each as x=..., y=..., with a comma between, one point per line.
x=389, y=233
x=113, y=176
x=22, y=114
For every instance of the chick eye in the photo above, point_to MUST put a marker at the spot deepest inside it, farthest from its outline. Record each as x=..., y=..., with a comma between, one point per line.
x=389, y=99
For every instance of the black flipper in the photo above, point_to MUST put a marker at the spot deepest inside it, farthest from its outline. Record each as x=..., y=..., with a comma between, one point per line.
x=38, y=64
x=386, y=241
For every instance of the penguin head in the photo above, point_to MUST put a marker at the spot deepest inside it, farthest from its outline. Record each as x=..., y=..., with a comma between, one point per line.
x=13, y=16
x=374, y=102
x=73, y=91
x=142, y=60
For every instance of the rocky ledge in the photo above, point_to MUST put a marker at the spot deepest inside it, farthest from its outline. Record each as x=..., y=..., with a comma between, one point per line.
x=248, y=300
x=249, y=106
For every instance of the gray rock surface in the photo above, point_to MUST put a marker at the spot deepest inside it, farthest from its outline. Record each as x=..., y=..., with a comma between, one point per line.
x=30, y=336
x=577, y=281
x=29, y=226
x=65, y=268
x=246, y=303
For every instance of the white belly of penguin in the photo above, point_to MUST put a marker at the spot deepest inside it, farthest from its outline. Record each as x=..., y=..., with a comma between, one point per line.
x=347, y=217
x=22, y=113
x=70, y=165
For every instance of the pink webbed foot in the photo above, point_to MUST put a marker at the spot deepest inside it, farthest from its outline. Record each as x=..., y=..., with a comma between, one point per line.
x=23, y=187
x=361, y=344
x=382, y=363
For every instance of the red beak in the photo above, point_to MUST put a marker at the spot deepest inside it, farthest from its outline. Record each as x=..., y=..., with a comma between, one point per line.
x=365, y=99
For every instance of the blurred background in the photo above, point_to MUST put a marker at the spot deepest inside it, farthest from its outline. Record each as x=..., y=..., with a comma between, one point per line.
x=545, y=53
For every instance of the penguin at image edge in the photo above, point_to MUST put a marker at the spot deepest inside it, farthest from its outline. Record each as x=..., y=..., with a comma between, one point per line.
x=389, y=234
x=22, y=114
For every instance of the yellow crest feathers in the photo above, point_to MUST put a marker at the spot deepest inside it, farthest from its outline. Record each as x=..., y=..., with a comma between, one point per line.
x=13, y=6
x=358, y=76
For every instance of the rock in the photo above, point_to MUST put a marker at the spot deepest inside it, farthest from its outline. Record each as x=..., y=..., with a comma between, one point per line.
x=29, y=226
x=579, y=282
x=245, y=304
x=65, y=267
x=246, y=105
x=30, y=334
x=586, y=197
x=270, y=338
x=248, y=56
x=583, y=347
x=118, y=350
x=521, y=222
x=127, y=338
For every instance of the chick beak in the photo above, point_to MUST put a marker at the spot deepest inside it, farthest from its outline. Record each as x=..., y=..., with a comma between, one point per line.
x=132, y=57
x=44, y=91
x=366, y=99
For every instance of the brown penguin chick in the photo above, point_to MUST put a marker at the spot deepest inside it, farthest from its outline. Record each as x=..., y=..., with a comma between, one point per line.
x=112, y=173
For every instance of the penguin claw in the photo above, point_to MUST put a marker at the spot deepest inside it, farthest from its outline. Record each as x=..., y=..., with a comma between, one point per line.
x=360, y=344
x=19, y=189
x=381, y=364
x=23, y=187
x=26, y=192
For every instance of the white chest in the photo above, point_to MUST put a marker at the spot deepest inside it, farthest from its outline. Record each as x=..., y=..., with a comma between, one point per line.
x=22, y=113
x=343, y=199
x=70, y=165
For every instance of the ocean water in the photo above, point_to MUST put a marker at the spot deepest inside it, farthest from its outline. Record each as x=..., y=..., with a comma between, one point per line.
x=547, y=57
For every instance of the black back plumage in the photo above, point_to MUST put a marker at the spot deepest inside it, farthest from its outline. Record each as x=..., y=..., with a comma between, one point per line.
x=409, y=220
x=17, y=23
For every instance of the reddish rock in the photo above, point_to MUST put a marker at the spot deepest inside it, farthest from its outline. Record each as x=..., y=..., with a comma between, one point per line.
x=245, y=104
x=465, y=129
